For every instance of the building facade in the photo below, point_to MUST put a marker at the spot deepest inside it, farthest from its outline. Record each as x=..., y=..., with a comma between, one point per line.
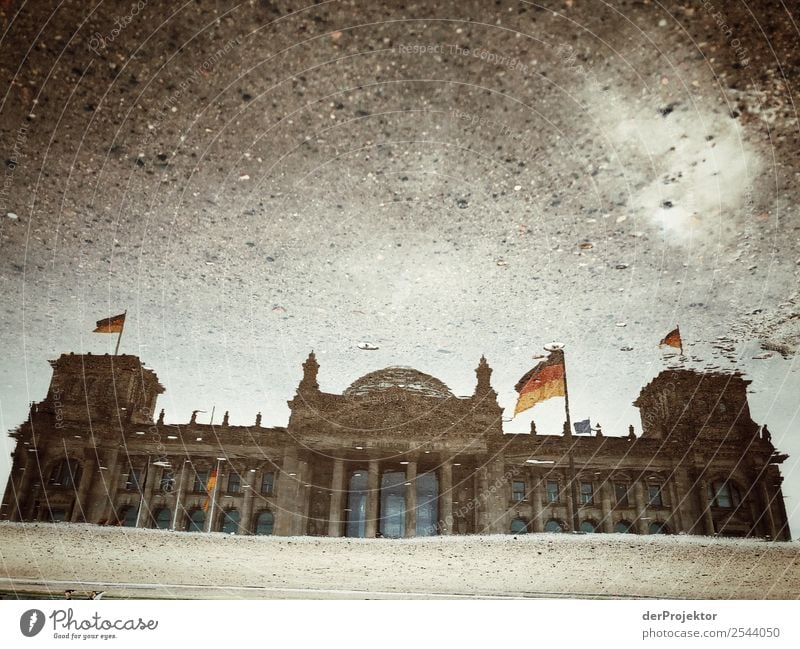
x=395, y=455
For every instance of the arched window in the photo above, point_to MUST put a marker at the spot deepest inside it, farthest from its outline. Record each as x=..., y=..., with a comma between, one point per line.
x=162, y=518
x=265, y=523
x=66, y=474
x=590, y=527
x=127, y=516
x=657, y=528
x=519, y=526
x=553, y=525
x=623, y=527
x=724, y=495
x=230, y=522
x=197, y=521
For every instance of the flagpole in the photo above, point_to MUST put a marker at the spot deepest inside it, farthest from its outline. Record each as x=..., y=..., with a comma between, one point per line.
x=141, y=491
x=119, y=338
x=576, y=525
x=678, y=329
x=214, y=498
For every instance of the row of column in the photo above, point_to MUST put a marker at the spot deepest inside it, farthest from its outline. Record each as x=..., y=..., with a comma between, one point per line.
x=339, y=491
x=97, y=491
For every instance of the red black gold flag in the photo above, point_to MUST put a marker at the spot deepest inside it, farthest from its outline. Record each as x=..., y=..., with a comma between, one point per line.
x=210, y=484
x=544, y=381
x=673, y=339
x=111, y=325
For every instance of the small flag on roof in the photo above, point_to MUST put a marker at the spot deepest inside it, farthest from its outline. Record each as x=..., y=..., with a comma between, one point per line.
x=583, y=427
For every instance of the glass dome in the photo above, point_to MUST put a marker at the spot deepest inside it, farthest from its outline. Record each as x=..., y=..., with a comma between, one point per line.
x=399, y=378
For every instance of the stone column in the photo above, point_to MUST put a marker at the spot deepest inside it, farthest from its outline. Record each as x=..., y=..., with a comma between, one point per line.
x=245, y=520
x=305, y=477
x=143, y=518
x=288, y=491
x=641, y=507
x=40, y=466
x=446, y=497
x=80, y=508
x=685, y=503
x=337, y=497
x=755, y=518
x=100, y=500
x=537, y=523
x=675, y=519
x=705, y=506
x=482, y=500
x=411, y=499
x=606, y=507
x=373, y=497
x=19, y=483
x=185, y=481
x=767, y=501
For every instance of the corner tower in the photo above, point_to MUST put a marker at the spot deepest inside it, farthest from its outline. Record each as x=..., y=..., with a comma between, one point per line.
x=101, y=388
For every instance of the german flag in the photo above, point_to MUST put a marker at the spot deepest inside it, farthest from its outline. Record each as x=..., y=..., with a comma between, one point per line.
x=673, y=339
x=112, y=325
x=210, y=484
x=544, y=381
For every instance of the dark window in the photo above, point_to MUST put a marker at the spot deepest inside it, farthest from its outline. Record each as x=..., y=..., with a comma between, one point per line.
x=587, y=493
x=427, y=504
x=553, y=526
x=654, y=494
x=357, y=505
x=234, y=483
x=197, y=521
x=724, y=495
x=200, y=482
x=162, y=518
x=621, y=493
x=268, y=483
x=265, y=523
x=658, y=528
x=66, y=474
x=230, y=522
x=518, y=526
x=57, y=515
x=128, y=515
x=517, y=491
x=552, y=491
x=134, y=480
x=392, y=521
x=623, y=527
x=589, y=527
x=167, y=482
